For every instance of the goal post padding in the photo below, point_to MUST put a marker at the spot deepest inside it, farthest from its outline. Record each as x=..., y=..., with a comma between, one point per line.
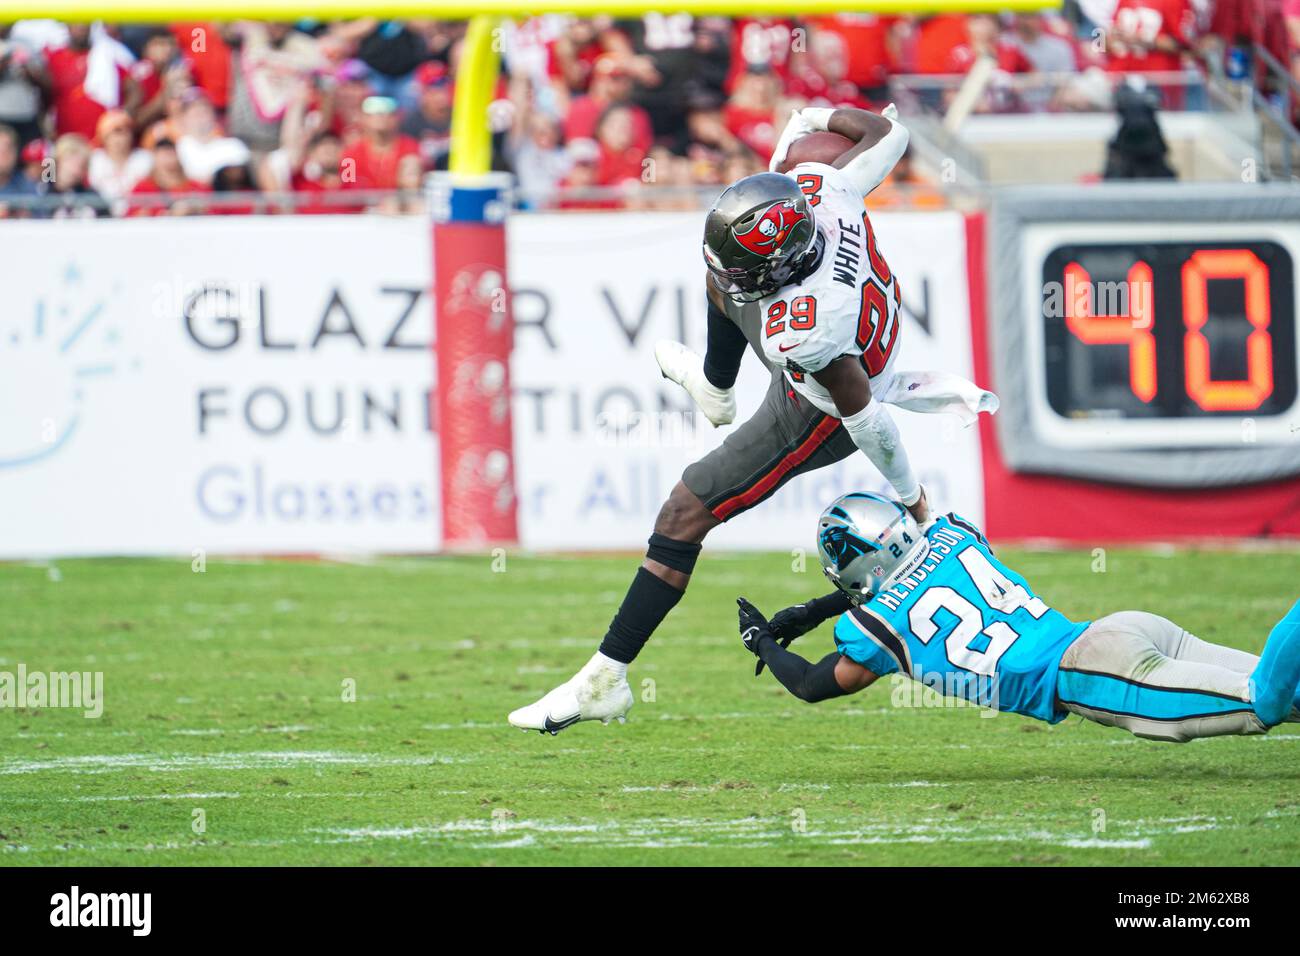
x=473, y=339
x=474, y=327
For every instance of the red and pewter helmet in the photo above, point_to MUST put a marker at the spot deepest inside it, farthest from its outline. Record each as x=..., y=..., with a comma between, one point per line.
x=758, y=235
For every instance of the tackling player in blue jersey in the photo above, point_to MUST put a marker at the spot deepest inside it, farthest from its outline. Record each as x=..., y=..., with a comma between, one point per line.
x=938, y=607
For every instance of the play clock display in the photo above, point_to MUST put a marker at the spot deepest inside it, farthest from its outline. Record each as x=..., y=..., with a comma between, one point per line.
x=1169, y=330
x=1148, y=341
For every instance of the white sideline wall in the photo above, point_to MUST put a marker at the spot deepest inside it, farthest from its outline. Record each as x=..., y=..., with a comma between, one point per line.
x=258, y=385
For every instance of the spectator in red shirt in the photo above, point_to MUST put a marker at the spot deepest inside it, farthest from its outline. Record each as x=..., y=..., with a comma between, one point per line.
x=573, y=54
x=205, y=49
x=319, y=175
x=821, y=74
x=1291, y=17
x=1237, y=25
x=308, y=160
x=36, y=157
x=762, y=43
x=611, y=85
x=75, y=109
x=870, y=40
x=750, y=114
x=351, y=87
x=621, y=158
x=984, y=38
x=1149, y=36
x=936, y=39
x=159, y=60
x=371, y=161
x=168, y=179
x=584, y=173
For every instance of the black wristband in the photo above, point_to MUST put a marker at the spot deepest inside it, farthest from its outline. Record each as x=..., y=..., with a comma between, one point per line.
x=832, y=605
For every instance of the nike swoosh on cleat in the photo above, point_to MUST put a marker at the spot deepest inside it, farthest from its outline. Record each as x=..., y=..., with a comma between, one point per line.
x=553, y=727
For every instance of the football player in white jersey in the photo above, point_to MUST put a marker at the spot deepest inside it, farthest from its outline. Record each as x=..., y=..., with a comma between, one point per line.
x=796, y=273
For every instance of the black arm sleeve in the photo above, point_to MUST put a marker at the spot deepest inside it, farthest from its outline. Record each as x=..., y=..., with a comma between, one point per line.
x=822, y=609
x=809, y=682
x=726, y=348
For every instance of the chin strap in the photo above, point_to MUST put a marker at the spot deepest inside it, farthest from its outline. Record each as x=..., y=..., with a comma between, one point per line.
x=811, y=261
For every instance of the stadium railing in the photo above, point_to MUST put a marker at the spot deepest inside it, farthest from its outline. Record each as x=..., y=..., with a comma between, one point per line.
x=1089, y=90
x=52, y=203
x=632, y=197
x=1276, y=106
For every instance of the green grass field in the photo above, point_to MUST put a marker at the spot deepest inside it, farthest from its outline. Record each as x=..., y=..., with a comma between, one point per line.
x=224, y=706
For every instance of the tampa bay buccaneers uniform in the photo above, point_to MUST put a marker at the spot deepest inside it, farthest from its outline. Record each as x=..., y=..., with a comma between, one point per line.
x=847, y=305
x=796, y=272
x=845, y=301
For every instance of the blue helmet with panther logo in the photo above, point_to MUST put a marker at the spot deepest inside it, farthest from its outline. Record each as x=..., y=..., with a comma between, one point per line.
x=866, y=541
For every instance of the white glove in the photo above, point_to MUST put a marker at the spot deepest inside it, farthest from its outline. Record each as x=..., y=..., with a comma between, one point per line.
x=798, y=126
x=810, y=119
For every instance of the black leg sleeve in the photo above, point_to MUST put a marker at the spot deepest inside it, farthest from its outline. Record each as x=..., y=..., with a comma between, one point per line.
x=647, y=603
x=725, y=349
x=809, y=682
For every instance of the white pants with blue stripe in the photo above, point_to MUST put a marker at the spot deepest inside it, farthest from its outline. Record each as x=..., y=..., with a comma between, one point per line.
x=1147, y=675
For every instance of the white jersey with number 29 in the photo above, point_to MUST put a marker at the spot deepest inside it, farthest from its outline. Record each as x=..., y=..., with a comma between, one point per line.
x=849, y=305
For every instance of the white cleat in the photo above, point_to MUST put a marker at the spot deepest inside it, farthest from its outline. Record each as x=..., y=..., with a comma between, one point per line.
x=686, y=368
x=597, y=692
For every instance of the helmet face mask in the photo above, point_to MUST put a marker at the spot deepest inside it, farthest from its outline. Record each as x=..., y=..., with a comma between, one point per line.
x=867, y=542
x=758, y=235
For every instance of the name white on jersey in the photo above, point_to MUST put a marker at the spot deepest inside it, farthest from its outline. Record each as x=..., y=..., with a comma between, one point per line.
x=849, y=305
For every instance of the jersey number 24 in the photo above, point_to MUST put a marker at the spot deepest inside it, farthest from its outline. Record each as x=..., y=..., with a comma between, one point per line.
x=997, y=592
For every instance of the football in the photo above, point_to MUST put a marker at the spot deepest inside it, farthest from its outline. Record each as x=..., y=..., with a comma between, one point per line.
x=820, y=147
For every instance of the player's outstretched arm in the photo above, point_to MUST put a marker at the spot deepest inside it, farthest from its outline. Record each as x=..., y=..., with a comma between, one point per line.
x=833, y=676
x=872, y=429
x=793, y=622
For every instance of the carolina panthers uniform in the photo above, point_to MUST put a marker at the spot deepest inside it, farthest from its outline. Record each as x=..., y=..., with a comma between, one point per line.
x=848, y=305
x=966, y=624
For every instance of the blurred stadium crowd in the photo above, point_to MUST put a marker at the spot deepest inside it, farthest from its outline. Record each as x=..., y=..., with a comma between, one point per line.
x=347, y=116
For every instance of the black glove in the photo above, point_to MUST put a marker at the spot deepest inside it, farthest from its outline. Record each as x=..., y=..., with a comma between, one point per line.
x=753, y=626
x=786, y=625
x=795, y=622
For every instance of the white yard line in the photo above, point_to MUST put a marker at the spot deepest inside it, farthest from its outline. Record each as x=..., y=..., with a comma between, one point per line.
x=485, y=834
x=252, y=760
